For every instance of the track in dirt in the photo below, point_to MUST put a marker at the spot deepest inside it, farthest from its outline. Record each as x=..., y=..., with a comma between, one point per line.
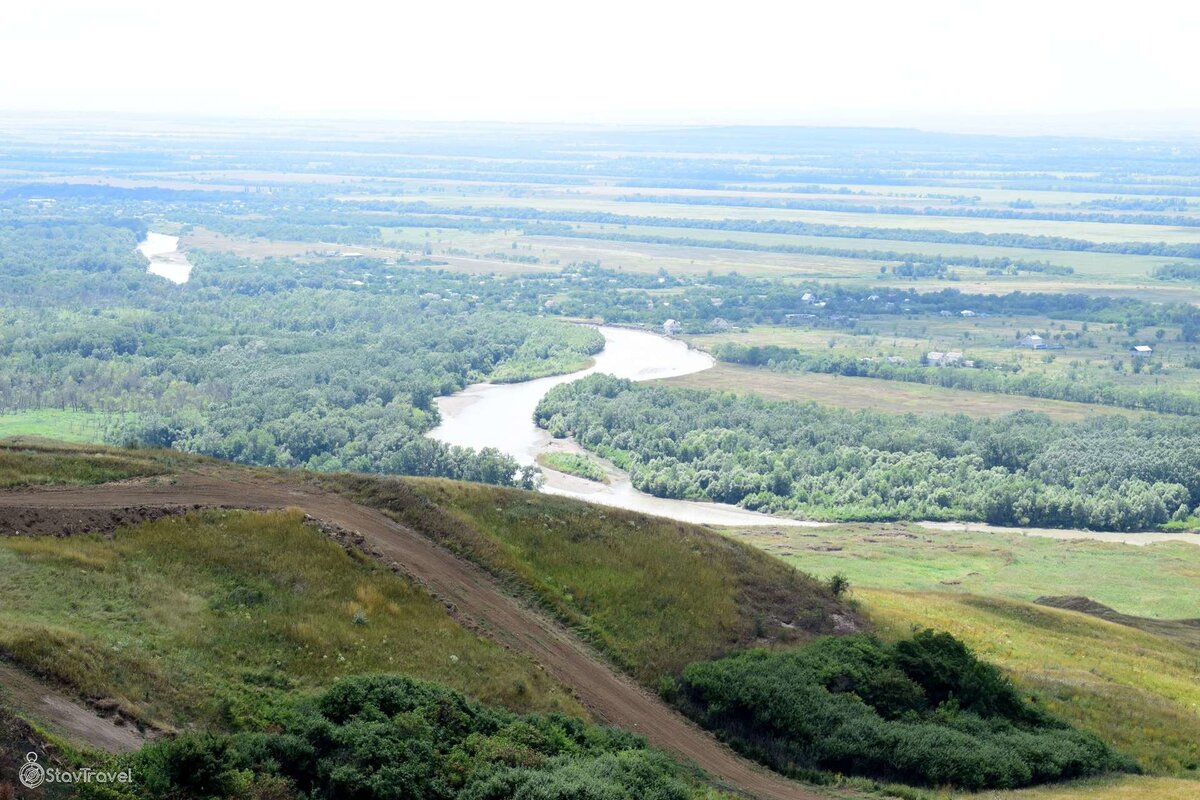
x=473, y=596
x=65, y=715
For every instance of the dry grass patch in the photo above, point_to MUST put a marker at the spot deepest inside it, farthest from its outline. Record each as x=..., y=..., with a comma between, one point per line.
x=1135, y=690
x=212, y=618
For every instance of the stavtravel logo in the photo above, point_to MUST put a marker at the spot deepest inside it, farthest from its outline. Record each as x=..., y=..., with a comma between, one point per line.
x=32, y=774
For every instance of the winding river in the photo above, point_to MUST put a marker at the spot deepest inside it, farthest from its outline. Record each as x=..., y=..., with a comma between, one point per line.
x=500, y=415
x=165, y=258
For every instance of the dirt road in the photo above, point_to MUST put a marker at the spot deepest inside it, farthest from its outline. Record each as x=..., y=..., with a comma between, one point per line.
x=63, y=714
x=472, y=595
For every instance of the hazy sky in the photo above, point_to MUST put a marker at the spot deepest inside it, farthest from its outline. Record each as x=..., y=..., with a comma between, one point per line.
x=613, y=61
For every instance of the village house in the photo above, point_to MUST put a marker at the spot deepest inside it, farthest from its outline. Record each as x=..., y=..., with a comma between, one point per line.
x=1033, y=342
x=671, y=327
x=940, y=359
x=1141, y=350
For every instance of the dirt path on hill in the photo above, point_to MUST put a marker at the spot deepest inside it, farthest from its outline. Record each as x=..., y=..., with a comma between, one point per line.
x=65, y=715
x=472, y=595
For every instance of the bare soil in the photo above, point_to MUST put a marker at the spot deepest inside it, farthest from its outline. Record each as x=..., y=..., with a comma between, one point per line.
x=62, y=714
x=472, y=596
x=35, y=521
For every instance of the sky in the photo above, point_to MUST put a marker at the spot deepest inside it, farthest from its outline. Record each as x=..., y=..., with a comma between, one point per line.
x=611, y=62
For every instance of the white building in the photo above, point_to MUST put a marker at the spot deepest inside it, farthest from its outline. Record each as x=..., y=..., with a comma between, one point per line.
x=1034, y=342
x=671, y=327
x=941, y=359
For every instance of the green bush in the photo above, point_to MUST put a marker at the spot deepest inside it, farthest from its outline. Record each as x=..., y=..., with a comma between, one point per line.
x=393, y=738
x=922, y=711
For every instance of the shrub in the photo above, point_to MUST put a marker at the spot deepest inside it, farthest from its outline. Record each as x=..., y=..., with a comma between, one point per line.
x=922, y=711
x=390, y=737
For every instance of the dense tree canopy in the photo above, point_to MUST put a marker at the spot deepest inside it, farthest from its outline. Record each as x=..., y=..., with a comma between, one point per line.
x=800, y=458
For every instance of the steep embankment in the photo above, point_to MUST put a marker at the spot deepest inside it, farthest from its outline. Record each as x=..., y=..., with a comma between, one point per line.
x=474, y=596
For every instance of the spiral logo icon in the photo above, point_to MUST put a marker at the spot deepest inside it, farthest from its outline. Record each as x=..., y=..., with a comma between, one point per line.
x=32, y=774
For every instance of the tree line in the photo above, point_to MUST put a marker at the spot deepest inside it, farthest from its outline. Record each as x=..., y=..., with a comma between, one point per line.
x=1105, y=473
x=791, y=359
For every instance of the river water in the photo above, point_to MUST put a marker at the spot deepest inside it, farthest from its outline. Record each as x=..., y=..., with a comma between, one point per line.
x=165, y=258
x=500, y=415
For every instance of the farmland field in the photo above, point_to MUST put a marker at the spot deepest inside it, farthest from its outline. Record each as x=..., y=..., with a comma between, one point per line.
x=347, y=280
x=873, y=393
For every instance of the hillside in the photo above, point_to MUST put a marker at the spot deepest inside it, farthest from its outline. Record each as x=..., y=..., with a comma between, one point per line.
x=211, y=617
x=1136, y=690
x=652, y=593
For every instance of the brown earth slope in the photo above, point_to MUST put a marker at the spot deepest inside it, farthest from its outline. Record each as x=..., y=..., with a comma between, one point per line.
x=471, y=594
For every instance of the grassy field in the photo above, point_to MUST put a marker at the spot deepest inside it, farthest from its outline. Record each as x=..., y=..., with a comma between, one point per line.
x=210, y=618
x=1135, y=690
x=1094, y=352
x=1091, y=231
x=875, y=393
x=1127, y=787
x=26, y=461
x=578, y=464
x=1157, y=580
x=652, y=593
x=67, y=426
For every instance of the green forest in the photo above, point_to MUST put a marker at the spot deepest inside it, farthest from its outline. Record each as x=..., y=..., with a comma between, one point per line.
x=1107, y=473
x=298, y=376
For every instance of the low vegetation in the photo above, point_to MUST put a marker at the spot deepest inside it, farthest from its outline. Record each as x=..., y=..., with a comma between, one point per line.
x=921, y=710
x=875, y=394
x=1071, y=388
x=576, y=464
x=25, y=462
x=1123, y=787
x=1184, y=631
x=213, y=618
x=65, y=426
x=1155, y=580
x=652, y=594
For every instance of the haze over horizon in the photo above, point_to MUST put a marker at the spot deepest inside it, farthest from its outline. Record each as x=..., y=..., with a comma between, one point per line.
x=1036, y=68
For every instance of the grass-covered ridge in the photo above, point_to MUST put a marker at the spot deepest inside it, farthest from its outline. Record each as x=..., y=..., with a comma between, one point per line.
x=923, y=710
x=389, y=738
x=1135, y=690
x=212, y=618
x=651, y=593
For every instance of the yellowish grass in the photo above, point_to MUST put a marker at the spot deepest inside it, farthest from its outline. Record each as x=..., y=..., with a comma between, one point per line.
x=1129, y=787
x=1137, y=691
x=212, y=617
